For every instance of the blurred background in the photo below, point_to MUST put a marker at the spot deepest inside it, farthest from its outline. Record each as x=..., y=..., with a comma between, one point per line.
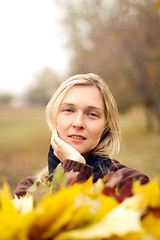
x=44, y=42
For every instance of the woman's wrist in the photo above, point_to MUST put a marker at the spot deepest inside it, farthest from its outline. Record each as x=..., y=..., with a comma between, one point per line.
x=84, y=171
x=82, y=160
x=78, y=158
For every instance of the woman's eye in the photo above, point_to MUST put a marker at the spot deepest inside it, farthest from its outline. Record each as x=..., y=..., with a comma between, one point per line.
x=67, y=110
x=93, y=114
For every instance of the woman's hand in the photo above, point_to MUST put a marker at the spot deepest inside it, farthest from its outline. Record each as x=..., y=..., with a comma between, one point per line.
x=64, y=151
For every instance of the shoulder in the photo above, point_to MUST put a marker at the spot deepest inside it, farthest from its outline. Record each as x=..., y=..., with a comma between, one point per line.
x=128, y=174
x=23, y=185
x=116, y=165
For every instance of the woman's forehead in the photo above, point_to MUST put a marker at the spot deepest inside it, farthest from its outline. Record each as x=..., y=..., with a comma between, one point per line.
x=84, y=95
x=84, y=90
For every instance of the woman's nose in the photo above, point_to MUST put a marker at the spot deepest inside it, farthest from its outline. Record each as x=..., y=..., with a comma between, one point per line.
x=78, y=122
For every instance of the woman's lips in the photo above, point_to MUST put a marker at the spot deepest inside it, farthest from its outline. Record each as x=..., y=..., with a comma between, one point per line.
x=77, y=137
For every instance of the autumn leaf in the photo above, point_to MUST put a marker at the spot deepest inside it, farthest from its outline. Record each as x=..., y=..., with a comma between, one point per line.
x=151, y=225
x=23, y=204
x=13, y=225
x=148, y=193
x=34, y=187
x=54, y=212
x=157, y=5
x=71, y=177
x=81, y=211
x=59, y=179
x=118, y=222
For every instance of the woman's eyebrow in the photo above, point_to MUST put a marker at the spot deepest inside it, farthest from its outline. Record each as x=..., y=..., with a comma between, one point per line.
x=65, y=103
x=95, y=108
x=88, y=107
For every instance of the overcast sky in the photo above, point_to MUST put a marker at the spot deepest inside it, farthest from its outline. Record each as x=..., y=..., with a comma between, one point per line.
x=30, y=39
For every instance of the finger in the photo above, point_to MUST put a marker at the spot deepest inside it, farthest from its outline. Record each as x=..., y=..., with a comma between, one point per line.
x=55, y=137
x=52, y=139
x=54, y=146
x=53, y=142
x=55, y=153
x=55, y=133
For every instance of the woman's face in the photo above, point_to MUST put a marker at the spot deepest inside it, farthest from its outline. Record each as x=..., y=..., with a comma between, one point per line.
x=81, y=119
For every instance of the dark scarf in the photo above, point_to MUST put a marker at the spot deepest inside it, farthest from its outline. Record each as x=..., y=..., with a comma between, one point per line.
x=101, y=164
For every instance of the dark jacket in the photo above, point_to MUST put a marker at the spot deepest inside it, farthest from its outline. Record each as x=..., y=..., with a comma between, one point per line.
x=97, y=165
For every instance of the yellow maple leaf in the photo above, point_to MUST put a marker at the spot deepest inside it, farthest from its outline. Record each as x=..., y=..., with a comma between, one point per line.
x=107, y=204
x=149, y=194
x=54, y=212
x=118, y=222
x=151, y=225
x=13, y=225
x=23, y=204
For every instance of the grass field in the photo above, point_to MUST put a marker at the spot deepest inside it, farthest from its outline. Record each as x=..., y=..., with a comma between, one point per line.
x=25, y=137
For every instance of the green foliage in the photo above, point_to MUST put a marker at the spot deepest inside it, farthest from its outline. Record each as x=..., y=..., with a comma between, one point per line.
x=59, y=179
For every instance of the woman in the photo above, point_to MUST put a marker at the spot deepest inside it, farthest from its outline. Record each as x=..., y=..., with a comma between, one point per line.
x=83, y=118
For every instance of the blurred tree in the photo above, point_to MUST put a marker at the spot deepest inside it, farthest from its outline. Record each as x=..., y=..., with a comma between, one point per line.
x=119, y=41
x=44, y=84
x=5, y=98
x=144, y=49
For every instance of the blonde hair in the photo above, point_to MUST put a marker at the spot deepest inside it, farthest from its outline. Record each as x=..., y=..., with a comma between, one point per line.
x=110, y=139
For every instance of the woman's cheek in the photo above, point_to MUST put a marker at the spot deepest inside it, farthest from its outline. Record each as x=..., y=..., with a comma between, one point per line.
x=62, y=126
